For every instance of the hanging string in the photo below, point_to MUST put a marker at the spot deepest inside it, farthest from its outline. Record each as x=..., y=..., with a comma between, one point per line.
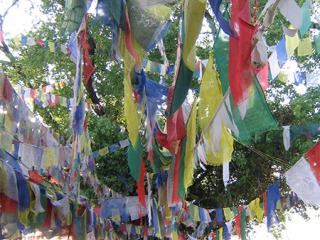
x=264, y=155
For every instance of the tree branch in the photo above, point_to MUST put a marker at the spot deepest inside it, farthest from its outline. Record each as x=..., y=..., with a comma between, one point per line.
x=6, y=12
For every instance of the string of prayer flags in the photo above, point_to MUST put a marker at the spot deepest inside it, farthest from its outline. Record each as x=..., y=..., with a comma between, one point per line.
x=302, y=181
x=310, y=131
x=48, y=45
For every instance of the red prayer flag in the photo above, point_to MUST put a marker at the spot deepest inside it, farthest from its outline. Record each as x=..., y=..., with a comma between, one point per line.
x=1, y=36
x=7, y=205
x=263, y=73
x=176, y=129
x=238, y=226
x=47, y=222
x=40, y=43
x=141, y=190
x=314, y=160
x=264, y=203
x=88, y=68
x=128, y=39
x=240, y=66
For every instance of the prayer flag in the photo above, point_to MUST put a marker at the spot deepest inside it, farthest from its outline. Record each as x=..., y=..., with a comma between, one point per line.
x=314, y=160
x=303, y=182
x=240, y=66
x=305, y=47
x=191, y=139
x=273, y=196
x=306, y=22
x=291, y=44
x=282, y=52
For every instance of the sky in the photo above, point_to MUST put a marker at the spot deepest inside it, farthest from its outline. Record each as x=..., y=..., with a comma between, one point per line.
x=22, y=18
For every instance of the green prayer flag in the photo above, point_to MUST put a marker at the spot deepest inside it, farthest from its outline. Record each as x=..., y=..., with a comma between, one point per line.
x=182, y=86
x=317, y=41
x=243, y=225
x=181, y=189
x=258, y=117
x=306, y=22
x=221, y=54
x=135, y=159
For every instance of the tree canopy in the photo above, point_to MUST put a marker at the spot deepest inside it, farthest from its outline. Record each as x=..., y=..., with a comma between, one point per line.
x=256, y=162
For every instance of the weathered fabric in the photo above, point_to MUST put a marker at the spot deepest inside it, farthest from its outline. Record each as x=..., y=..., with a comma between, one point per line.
x=302, y=181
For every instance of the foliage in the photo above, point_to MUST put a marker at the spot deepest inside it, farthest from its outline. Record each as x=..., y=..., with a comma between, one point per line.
x=253, y=168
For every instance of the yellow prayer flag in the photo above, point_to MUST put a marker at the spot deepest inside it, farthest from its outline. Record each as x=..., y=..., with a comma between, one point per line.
x=130, y=108
x=220, y=233
x=160, y=11
x=191, y=139
x=193, y=12
x=6, y=142
x=3, y=178
x=251, y=211
x=23, y=217
x=196, y=217
x=49, y=157
x=82, y=142
x=228, y=214
x=147, y=67
x=283, y=77
x=8, y=123
x=104, y=151
x=258, y=210
x=64, y=102
x=255, y=210
x=174, y=235
x=291, y=44
x=51, y=46
x=216, y=134
x=16, y=41
x=305, y=47
x=279, y=207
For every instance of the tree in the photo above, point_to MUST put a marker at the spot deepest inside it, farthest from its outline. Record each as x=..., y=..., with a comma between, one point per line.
x=253, y=166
